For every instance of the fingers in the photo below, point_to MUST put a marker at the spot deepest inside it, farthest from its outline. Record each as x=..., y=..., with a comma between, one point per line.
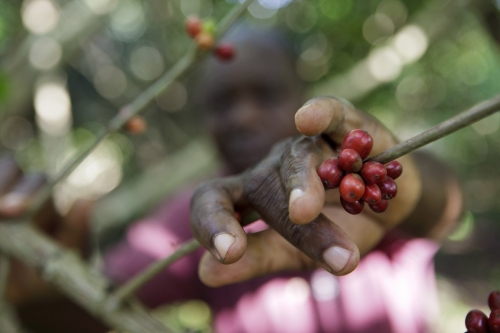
x=336, y=118
x=213, y=219
x=302, y=184
x=321, y=240
x=267, y=252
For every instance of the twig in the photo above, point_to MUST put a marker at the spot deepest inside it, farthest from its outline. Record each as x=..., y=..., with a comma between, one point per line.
x=443, y=129
x=70, y=274
x=129, y=288
x=139, y=104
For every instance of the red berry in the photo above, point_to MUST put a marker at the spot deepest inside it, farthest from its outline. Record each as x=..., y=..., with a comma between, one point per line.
x=224, y=52
x=352, y=187
x=373, y=172
x=380, y=207
x=494, y=321
x=193, y=26
x=388, y=188
x=476, y=322
x=330, y=173
x=358, y=140
x=350, y=161
x=372, y=195
x=494, y=300
x=204, y=40
x=394, y=169
x=353, y=208
x=136, y=125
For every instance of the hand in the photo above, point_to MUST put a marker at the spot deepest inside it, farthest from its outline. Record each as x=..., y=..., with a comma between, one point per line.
x=17, y=190
x=308, y=227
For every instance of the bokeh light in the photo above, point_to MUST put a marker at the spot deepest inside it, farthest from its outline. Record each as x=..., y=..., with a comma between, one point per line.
x=336, y=9
x=53, y=107
x=127, y=20
x=40, y=16
x=174, y=98
x=410, y=43
x=301, y=16
x=45, y=53
x=384, y=64
x=257, y=10
x=101, y=7
x=146, y=63
x=110, y=82
x=194, y=314
x=377, y=28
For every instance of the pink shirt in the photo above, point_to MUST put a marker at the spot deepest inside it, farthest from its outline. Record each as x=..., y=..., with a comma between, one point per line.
x=391, y=291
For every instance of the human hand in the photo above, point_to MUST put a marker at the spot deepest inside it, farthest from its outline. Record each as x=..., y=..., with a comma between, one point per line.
x=17, y=190
x=289, y=195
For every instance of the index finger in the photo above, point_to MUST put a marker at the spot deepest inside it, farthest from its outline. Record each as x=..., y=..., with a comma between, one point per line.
x=336, y=117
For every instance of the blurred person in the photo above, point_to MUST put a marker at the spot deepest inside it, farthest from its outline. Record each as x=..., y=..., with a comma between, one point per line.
x=265, y=284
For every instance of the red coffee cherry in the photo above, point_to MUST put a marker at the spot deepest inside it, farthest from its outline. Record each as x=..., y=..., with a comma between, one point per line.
x=380, y=207
x=388, y=188
x=330, y=173
x=494, y=300
x=224, y=52
x=193, y=26
x=352, y=187
x=204, y=40
x=350, y=161
x=373, y=172
x=476, y=322
x=394, y=169
x=494, y=321
x=136, y=125
x=372, y=195
x=360, y=141
x=353, y=208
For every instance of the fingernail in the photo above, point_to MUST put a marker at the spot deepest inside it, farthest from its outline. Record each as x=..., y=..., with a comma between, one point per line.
x=296, y=194
x=336, y=258
x=222, y=243
x=304, y=107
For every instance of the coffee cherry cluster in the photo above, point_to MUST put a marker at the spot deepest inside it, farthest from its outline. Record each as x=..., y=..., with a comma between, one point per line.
x=203, y=33
x=359, y=182
x=477, y=322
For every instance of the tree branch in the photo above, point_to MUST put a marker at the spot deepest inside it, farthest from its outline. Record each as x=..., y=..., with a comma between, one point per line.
x=129, y=288
x=441, y=130
x=68, y=273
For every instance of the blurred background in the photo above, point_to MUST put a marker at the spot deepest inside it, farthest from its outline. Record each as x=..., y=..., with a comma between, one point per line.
x=66, y=66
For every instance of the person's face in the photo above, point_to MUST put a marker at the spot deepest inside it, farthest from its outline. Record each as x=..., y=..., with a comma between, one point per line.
x=250, y=103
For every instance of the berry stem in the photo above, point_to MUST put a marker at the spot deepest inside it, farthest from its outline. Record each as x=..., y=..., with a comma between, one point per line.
x=443, y=129
x=130, y=287
x=139, y=104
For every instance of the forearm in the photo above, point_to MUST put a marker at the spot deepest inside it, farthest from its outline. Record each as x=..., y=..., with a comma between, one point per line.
x=440, y=204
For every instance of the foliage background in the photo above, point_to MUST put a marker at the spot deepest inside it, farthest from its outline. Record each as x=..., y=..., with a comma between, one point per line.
x=67, y=65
